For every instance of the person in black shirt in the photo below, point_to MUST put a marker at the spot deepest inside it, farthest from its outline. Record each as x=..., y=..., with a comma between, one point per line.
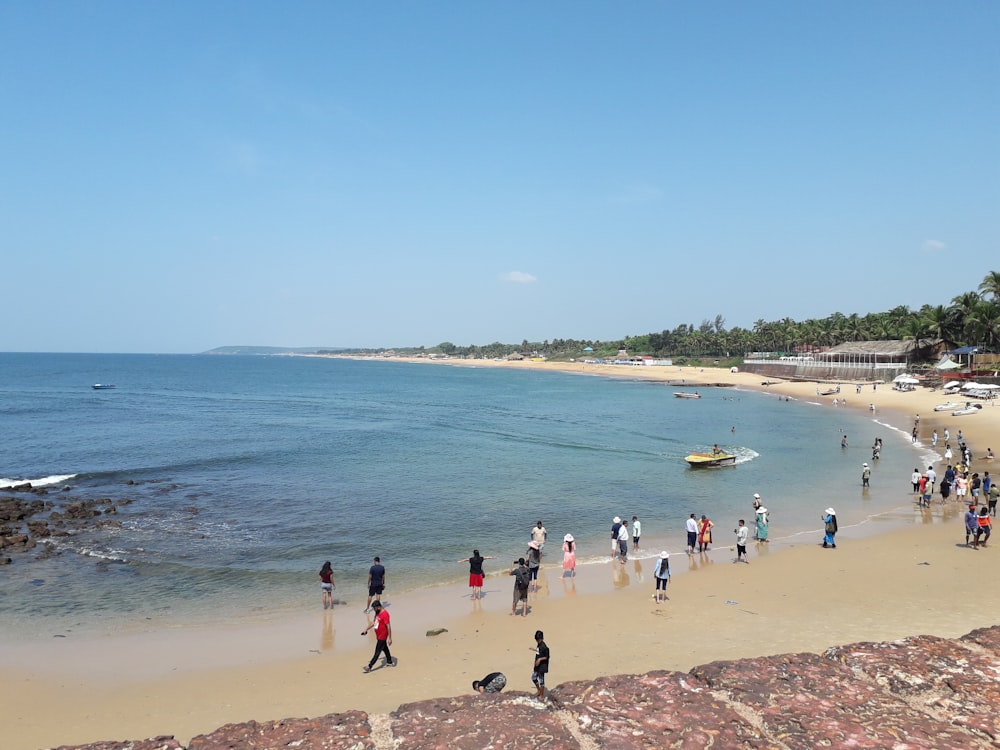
x=541, y=664
x=476, y=573
x=494, y=682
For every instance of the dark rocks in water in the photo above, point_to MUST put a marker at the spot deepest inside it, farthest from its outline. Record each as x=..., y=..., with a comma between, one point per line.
x=915, y=692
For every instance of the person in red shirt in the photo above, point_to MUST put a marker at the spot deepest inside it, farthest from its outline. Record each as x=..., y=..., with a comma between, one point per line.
x=383, y=636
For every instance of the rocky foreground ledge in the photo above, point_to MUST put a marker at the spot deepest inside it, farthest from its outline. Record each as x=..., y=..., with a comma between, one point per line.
x=920, y=692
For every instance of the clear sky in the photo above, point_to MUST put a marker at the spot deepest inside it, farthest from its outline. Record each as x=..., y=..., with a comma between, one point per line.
x=176, y=176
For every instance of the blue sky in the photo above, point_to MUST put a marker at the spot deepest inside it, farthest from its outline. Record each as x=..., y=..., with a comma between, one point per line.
x=179, y=176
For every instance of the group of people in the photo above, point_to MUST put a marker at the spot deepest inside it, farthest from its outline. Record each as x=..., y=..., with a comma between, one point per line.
x=620, y=534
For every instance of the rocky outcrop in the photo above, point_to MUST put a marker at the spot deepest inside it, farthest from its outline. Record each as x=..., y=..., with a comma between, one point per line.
x=920, y=692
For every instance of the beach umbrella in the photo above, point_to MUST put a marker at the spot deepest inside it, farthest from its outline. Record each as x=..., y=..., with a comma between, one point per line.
x=905, y=379
x=952, y=384
x=967, y=386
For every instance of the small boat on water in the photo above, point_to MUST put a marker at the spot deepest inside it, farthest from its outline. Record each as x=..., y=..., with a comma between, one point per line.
x=706, y=460
x=947, y=406
x=969, y=408
x=686, y=394
x=102, y=386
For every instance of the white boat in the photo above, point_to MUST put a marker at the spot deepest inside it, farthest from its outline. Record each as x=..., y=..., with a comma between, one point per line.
x=969, y=408
x=947, y=406
x=102, y=386
x=686, y=394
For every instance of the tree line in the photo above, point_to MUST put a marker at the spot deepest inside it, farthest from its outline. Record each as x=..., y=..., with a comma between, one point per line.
x=971, y=318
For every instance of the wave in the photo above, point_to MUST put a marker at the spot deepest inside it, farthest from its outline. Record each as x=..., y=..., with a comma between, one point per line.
x=6, y=483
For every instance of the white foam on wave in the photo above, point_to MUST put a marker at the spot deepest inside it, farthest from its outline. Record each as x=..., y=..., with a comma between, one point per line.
x=42, y=482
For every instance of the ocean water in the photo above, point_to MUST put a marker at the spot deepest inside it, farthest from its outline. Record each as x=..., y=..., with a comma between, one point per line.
x=246, y=473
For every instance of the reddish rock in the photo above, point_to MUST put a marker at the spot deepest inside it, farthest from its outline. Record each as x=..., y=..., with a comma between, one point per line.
x=154, y=743
x=954, y=681
x=810, y=701
x=656, y=710
x=510, y=721
x=344, y=731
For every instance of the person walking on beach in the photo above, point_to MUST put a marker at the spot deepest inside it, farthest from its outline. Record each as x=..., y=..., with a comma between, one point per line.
x=569, y=555
x=931, y=479
x=494, y=682
x=830, y=527
x=383, y=636
x=326, y=584
x=662, y=575
x=522, y=579
x=915, y=479
x=994, y=495
x=691, y=525
x=476, y=573
x=971, y=524
x=961, y=487
x=985, y=526
x=866, y=474
x=540, y=667
x=616, y=524
x=539, y=535
x=704, y=533
x=843, y=442
x=376, y=583
x=636, y=533
x=742, y=533
x=934, y=439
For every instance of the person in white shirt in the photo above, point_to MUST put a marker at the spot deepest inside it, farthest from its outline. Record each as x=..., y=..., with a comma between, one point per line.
x=692, y=531
x=623, y=542
x=539, y=535
x=742, y=533
x=931, y=479
x=636, y=532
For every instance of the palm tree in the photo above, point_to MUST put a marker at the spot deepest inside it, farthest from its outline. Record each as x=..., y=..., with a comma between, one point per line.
x=940, y=323
x=990, y=285
x=984, y=323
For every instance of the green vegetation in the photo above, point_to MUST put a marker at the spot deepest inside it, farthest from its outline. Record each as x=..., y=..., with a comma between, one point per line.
x=972, y=318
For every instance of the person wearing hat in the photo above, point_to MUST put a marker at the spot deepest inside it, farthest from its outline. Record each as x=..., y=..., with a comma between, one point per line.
x=569, y=555
x=494, y=682
x=616, y=524
x=866, y=474
x=534, y=558
x=662, y=575
x=623, y=542
x=383, y=636
x=971, y=524
x=761, y=518
x=830, y=521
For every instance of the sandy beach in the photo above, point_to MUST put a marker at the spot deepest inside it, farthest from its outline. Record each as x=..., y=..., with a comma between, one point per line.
x=918, y=580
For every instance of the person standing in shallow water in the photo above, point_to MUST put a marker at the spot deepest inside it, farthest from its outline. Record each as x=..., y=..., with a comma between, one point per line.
x=569, y=555
x=704, y=533
x=830, y=521
x=326, y=584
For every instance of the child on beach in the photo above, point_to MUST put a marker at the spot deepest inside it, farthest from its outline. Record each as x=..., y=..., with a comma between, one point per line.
x=742, y=533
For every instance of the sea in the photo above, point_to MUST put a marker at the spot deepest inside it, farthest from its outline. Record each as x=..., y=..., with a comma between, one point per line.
x=236, y=477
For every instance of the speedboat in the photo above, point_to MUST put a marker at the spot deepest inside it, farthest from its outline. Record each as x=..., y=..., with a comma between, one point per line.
x=969, y=408
x=102, y=386
x=686, y=394
x=705, y=460
x=947, y=406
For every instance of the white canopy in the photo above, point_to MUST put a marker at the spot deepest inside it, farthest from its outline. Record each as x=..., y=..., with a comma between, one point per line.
x=952, y=384
x=948, y=364
x=906, y=379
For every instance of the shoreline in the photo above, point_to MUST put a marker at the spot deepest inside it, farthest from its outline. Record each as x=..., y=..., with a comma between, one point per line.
x=190, y=681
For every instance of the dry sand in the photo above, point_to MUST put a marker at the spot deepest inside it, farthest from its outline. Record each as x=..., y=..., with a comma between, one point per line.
x=919, y=580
